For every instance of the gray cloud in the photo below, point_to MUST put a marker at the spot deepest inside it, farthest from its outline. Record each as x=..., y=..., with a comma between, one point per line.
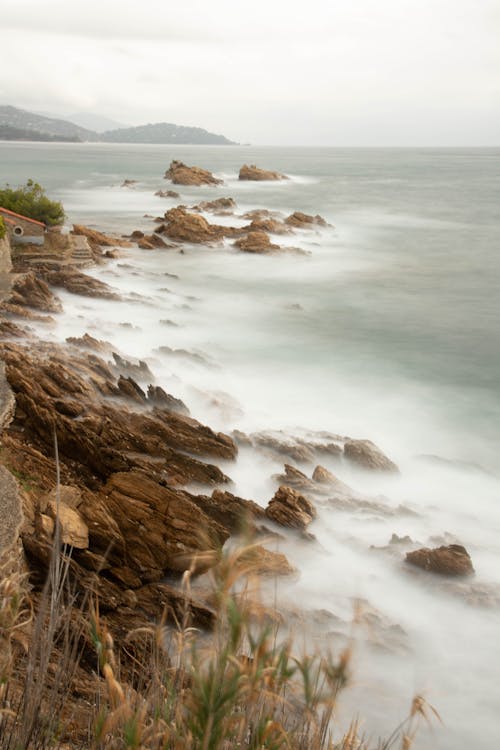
x=366, y=72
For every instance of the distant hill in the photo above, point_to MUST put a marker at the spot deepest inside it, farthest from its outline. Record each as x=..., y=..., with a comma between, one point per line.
x=163, y=132
x=24, y=120
x=16, y=121
x=9, y=133
x=94, y=121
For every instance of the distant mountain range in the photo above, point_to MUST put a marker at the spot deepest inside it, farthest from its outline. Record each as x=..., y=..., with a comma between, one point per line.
x=21, y=125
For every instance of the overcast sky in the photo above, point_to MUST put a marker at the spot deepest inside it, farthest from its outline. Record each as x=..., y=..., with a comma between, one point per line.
x=319, y=72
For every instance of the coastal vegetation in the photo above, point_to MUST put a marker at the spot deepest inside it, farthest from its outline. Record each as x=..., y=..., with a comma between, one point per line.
x=31, y=200
x=66, y=682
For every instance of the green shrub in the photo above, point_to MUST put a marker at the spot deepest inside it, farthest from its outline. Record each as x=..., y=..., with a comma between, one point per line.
x=2, y=228
x=30, y=200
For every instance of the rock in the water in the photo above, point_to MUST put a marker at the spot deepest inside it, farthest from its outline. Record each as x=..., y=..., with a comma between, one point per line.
x=452, y=560
x=181, y=174
x=218, y=206
x=291, y=509
x=183, y=226
x=301, y=220
x=167, y=194
x=255, y=173
x=268, y=224
x=368, y=455
x=256, y=242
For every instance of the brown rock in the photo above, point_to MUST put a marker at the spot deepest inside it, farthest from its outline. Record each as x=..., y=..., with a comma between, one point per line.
x=159, y=397
x=304, y=221
x=186, y=227
x=233, y=513
x=257, y=560
x=289, y=508
x=31, y=291
x=181, y=174
x=256, y=242
x=89, y=342
x=98, y=238
x=74, y=531
x=167, y=194
x=255, y=173
x=323, y=476
x=452, y=560
x=273, y=226
x=77, y=282
x=163, y=530
x=222, y=206
x=368, y=455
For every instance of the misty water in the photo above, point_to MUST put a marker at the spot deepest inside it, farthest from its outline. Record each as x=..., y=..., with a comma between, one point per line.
x=387, y=329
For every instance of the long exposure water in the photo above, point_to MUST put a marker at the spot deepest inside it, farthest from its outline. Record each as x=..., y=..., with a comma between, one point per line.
x=387, y=329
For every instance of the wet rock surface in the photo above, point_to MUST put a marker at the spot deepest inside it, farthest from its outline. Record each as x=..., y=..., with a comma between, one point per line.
x=300, y=220
x=256, y=242
x=369, y=456
x=252, y=172
x=181, y=174
x=451, y=560
x=80, y=283
x=291, y=509
x=29, y=290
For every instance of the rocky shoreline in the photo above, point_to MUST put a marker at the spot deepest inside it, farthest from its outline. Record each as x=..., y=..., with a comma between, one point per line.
x=142, y=498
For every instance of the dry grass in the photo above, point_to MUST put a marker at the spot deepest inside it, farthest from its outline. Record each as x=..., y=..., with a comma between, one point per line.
x=241, y=686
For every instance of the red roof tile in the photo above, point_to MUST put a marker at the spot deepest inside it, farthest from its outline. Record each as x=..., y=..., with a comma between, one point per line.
x=20, y=216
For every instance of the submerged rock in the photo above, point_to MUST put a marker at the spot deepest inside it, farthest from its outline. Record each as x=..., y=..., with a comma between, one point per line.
x=167, y=194
x=368, y=455
x=453, y=560
x=218, y=206
x=255, y=173
x=181, y=174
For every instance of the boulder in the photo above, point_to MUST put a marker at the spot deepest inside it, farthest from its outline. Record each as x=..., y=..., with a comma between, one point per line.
x=255, y=173
x=451, y=560
x=256, y=242
x=181, y=174
x=367, y=455
x=304, y=221
x=183, y=226
x=291, y=509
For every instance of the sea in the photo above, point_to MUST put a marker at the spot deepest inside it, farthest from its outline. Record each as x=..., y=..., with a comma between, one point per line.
x=387, y=328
